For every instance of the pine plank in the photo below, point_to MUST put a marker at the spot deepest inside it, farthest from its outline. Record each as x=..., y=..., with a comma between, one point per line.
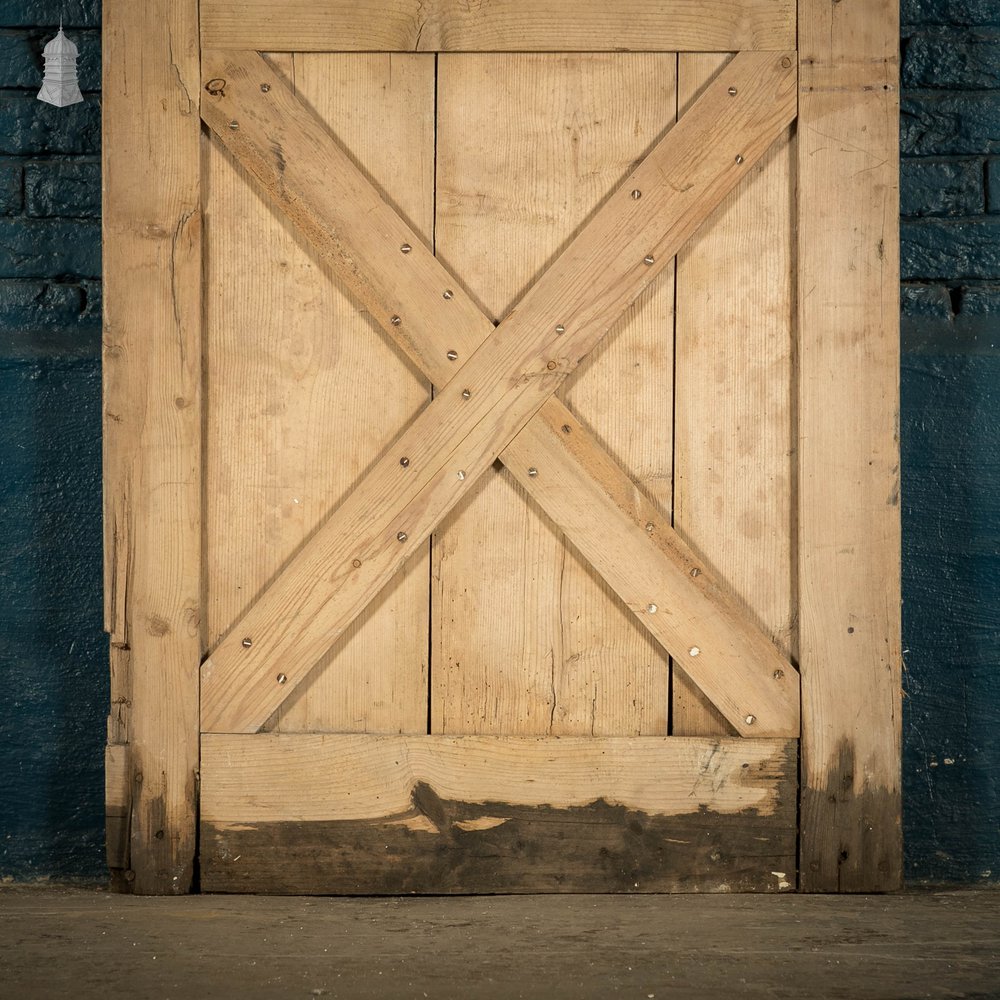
x=152, y=425
x=496, y=814
x=734, y=433
x=527, y=638
x=501, y=25
x=287, y=355
x=849, y=547
x=464, y=429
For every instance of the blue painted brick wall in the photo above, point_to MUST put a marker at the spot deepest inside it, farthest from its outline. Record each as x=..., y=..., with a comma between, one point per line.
x=53, y=653
x=950, y=424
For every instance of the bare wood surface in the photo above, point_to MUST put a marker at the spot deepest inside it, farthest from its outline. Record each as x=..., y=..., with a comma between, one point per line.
x=848, y=283
x=464, y=429
x=527, y=637
x=502, y=25
x=734, y=438
x=494, y=814
x=287, y=355
x=152, y=422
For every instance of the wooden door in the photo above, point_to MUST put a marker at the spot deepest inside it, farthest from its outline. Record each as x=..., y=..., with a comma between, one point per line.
x=500, y=449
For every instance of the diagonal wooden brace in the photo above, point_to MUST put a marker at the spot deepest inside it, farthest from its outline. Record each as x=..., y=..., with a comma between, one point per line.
x=508, y=379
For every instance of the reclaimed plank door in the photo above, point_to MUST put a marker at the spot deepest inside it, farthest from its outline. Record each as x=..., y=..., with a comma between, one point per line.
x=476, y=385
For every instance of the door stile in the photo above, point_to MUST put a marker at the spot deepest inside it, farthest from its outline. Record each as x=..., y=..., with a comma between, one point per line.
x=152, y=436
x=849, y=546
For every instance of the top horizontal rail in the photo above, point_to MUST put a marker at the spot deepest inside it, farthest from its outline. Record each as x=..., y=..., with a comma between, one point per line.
x=499, y=25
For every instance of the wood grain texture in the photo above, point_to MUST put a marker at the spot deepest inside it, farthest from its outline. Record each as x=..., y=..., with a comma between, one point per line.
x=288, y=356
x=848, y=281
x=344, y=219
x=152, y=421
x=734, y=434
x=502, y=25
x=527, y=638
x=487, y=814
x=504, y=383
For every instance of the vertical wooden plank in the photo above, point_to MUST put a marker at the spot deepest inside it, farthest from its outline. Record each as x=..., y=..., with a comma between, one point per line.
x=734, y=435
x=287, y=354
x=152, y=422
x=848, y=279
x=526, y=639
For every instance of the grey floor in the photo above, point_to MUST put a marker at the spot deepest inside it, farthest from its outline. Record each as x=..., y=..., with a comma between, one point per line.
x=87, y=944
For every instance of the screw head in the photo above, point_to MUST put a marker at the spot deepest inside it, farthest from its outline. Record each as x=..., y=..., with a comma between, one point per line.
x=247, y=642
x=778, y=674
x=739, y=157
x=652, y=608
x=234, y=125
x=452, y=355
x=265, y=88
x=395, y=321
x=648, y=259
x=401, y=536
x=636, y=194
x=404, y=461
x=532, y=472
x=405, y=248
x=281, y=678
x=650, y=526
x=733, y=91
x=694, y=651
x=750, y=720
x=461, y=474
x=448, y=293
x=466, y=394
x=696, y=572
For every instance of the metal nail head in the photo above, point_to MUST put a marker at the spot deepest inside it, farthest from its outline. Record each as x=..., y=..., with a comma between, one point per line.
x=650, y=526
x=401, y=536
x=281, y=678
x=404, y=461
x=234, y=125
x=566, y=429
x=405, y=248
x=452, y=355
x=733, y=91
x=696, y=572
x=694, y=651
x=532, y=472
x=649, y=259
x=395, y=321
x=652, y=608
x=778, y=674
x=265, y=88
x=448, y=293
x=636, y=194
x=466, y=394
x=461, y=474
x=560, y=329
x=739, y=157
x=750, y=720
x=247, y=642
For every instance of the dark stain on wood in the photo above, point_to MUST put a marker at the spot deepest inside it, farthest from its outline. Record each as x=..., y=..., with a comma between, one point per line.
x=856, y=837
x=442, y=846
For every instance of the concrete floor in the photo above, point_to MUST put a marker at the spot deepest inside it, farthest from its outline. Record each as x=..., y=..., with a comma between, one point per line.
x=88, y=944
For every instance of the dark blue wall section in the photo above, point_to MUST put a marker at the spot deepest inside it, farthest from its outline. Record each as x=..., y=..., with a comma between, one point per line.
x=53, y=655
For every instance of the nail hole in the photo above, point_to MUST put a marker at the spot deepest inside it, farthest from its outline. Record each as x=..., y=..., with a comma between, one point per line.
x=552, y=366
x=356, y=563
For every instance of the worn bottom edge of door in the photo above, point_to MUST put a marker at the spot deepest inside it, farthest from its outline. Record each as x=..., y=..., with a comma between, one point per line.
x=388, y=815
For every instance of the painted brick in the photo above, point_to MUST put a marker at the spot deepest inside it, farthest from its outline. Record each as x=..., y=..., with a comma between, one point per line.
x=49, y=319
x=49, y=248
x=21, y=60
x=952, y=60
x=11, y=187
x=993, y=185
x=950, y=507
x=945, y=124
x=962, y=12
x=948, y=187
x=62, y=188
x=31, y=127
x=981, y=300
x=950, y=250
x=29, y=13
x=925, y=301
x=50, y=626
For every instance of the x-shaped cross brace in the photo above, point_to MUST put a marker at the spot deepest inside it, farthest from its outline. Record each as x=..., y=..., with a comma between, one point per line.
x=495, y=393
